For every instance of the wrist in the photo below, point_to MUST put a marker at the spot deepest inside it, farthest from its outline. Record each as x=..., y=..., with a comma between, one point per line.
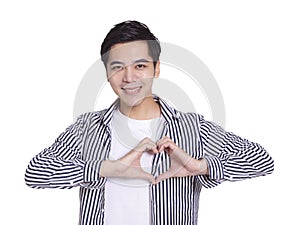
x=203, y=167
x=108, y=168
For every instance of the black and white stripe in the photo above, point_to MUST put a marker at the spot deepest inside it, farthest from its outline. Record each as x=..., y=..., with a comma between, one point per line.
x=76, y=156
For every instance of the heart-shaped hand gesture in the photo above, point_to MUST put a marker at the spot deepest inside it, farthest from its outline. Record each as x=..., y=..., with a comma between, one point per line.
x=182, y=164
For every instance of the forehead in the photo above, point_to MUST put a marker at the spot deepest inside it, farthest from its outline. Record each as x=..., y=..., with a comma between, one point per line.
x=130, y=51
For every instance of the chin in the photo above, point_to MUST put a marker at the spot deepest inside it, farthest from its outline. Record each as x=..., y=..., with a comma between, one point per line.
x=133, y=100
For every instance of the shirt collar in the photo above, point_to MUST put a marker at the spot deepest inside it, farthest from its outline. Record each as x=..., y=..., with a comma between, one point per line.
x=168, y=113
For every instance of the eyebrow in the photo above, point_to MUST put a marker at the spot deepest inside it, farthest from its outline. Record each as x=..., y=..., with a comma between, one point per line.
x=141, y=60
x=135, y=61
x=115, y=62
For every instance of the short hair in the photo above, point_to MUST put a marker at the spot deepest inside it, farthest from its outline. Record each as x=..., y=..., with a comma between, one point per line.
x=129, y=31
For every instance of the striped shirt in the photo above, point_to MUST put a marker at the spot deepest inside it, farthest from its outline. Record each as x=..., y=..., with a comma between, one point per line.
x=75, y=158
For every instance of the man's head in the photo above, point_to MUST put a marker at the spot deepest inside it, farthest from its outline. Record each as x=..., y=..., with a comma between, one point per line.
x=130, y=53
x=129, y=31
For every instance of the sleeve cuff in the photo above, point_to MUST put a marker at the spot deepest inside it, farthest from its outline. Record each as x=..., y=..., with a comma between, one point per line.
x=92, y=171
x=215, y=168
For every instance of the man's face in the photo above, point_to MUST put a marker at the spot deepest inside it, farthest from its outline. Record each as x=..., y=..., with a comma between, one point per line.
x=130, y=72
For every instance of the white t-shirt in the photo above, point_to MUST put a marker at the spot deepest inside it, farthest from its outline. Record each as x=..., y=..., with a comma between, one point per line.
x=127, y=201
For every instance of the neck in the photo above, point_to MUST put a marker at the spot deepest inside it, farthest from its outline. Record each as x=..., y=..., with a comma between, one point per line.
x=145, y=110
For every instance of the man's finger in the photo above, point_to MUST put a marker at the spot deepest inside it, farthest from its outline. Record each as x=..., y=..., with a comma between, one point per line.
x=163, y=176
x=147, y=176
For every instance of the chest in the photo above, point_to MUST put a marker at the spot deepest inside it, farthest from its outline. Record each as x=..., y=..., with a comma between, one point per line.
x=97, y=143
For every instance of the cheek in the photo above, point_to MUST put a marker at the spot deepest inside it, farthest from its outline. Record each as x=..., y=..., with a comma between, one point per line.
x=114, y=83
x=148, y=80
x=114, y=88
x=112, y=76
x=115, y=78
x=145, y=76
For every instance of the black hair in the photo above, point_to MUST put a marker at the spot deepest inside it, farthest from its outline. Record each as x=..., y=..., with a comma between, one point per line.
x=128, y=31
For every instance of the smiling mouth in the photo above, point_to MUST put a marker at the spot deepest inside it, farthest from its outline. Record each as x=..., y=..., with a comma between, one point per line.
x=131, y=90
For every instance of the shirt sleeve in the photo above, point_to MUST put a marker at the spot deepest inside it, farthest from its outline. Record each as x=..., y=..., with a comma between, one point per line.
x=61, y=165
x=230, y=157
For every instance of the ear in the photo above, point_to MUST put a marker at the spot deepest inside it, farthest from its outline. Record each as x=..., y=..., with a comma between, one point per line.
x=157, y=69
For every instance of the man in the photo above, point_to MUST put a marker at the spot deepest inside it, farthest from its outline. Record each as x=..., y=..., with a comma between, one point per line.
x=141, y=161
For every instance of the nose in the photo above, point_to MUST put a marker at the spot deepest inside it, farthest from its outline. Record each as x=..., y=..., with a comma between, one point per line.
x=129, y=74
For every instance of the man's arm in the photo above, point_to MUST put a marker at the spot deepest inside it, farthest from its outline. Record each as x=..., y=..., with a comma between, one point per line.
x=226, y=157
x=230, y=157
x=61, y=165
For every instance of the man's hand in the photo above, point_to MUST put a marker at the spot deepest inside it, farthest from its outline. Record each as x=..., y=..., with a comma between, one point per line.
x=182, y=164
x=129, y=166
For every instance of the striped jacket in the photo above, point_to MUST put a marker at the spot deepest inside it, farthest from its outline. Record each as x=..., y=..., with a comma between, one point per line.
x=75, y=159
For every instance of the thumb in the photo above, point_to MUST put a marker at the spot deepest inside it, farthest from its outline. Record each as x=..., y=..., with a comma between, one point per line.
x=147, y=176
x=163, y=176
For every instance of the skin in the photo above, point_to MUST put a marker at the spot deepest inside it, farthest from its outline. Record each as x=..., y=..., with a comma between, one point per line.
x=130, y=72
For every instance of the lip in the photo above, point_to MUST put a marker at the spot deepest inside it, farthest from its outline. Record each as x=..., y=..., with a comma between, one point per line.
x=132, y=90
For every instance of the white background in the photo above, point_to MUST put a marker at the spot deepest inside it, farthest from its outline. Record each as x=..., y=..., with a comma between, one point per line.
x=251, y=47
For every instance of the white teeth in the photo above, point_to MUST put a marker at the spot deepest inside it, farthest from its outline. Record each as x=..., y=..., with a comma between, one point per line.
x=131, y=90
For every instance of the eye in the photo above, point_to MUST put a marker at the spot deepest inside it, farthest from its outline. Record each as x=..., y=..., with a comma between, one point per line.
x=140, y=66
x=117, y=67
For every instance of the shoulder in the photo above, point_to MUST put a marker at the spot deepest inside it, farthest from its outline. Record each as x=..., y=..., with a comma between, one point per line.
x=94, y=116
x=198, y=120
x=189, y=116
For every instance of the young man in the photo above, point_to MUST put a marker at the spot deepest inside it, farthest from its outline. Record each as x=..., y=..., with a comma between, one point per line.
x=141, y=161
